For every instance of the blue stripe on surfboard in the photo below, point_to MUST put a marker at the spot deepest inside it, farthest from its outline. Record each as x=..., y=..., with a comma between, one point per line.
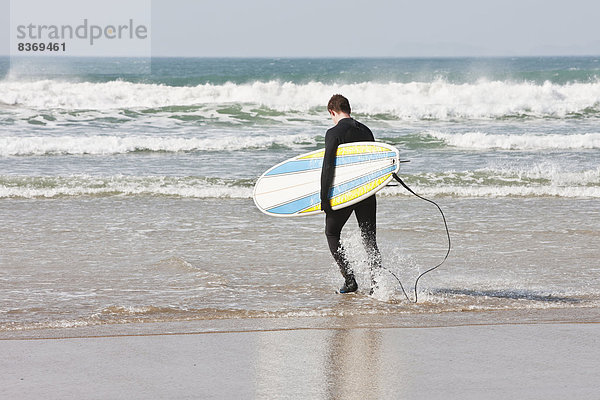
x=296, y=166
x=310, y=200
x=317, y=163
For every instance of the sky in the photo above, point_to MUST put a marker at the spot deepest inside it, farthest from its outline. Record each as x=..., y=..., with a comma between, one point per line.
x=351, y=28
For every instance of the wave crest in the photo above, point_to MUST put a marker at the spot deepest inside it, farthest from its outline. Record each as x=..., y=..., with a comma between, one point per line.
x=85, y=185
x=439, y=100
x=103, y=145
x=485, y=141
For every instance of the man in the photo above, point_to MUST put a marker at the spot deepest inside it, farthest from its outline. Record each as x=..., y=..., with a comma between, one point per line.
x=347, y=130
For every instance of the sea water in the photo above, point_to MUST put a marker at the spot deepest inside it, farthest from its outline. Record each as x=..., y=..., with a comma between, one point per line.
x=127, y=197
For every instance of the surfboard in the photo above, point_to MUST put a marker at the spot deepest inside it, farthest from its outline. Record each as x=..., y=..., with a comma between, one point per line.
x=292, y=188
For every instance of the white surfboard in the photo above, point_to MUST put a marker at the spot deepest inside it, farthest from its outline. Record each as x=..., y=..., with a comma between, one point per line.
x=292, y=188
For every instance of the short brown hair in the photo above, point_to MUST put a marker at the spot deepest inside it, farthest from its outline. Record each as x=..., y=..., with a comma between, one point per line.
x=339, y=103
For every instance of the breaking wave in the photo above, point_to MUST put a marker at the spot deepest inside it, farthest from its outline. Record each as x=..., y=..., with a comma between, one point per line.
x=436, y=100
x=122, y=185
x=116, y=144
x=535, y=181
x=485, y=141
x=110, y=144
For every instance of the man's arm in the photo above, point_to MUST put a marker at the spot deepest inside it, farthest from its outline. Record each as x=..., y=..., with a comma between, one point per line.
x=327, y=172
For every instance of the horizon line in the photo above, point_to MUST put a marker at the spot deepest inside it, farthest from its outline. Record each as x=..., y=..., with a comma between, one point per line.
x=308, y=57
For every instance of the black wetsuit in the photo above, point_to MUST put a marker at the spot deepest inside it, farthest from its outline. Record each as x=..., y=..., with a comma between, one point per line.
x=347, y=130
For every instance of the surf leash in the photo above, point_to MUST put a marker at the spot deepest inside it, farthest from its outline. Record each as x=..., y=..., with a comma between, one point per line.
x=396, y=177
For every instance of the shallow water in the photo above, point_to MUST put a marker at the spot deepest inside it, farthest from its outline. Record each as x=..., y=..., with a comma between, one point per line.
x=79, y=262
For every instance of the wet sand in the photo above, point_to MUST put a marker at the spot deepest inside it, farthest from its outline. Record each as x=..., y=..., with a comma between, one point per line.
x=547, y=357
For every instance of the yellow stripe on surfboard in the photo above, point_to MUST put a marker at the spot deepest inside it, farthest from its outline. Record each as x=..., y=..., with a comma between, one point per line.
x=320, y=154
x=349, y=151
x=351, y=194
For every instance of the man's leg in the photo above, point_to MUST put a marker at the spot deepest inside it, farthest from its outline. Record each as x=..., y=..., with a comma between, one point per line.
x=366, y=215
x=334, y=222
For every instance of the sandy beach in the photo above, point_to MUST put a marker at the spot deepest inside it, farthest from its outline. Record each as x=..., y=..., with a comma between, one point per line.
x=451, y=356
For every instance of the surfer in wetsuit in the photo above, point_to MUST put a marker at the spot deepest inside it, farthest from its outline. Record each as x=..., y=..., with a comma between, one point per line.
x=347, y=130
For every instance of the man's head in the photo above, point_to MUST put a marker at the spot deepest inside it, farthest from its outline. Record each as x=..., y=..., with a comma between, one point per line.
x=339, y=104
x=338, y=107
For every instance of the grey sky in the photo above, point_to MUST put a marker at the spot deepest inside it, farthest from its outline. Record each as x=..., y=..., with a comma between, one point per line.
x=316, y=28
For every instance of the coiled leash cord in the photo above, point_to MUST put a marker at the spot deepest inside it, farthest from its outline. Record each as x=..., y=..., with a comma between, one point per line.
x=396, y=177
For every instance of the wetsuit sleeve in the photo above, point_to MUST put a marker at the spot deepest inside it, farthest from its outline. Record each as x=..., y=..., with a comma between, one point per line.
x=327, y=172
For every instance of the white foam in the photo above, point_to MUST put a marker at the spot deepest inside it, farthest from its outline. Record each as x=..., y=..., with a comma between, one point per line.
x=85, y=185
x=102, y=145
x=534, y=181
x=497, y=191
x=485, y=141
x=540, y=179
x=556, y=175
x=543, y=173
x=416, y=100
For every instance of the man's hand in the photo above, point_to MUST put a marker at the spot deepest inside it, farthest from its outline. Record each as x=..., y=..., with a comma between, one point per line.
x=326, y=206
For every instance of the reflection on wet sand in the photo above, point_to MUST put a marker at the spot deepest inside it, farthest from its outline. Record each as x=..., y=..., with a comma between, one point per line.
x=333, y=364
x=354, y=364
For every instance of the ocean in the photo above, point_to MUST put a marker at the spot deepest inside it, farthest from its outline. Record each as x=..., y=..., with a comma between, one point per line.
x=127, y=197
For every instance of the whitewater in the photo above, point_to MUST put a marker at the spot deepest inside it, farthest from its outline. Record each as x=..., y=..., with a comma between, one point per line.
x=437, y=100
